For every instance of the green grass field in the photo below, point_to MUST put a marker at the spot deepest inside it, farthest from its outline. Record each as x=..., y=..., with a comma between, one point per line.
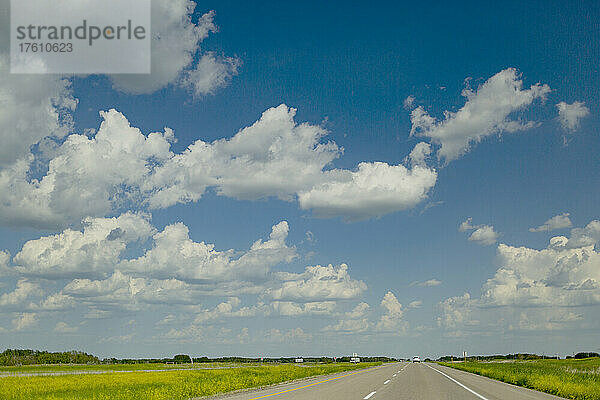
x=571, y=379
x=160, y=385
x=116, y=367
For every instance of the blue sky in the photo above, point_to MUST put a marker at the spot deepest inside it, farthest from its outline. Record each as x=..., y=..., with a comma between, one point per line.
x=516, y=151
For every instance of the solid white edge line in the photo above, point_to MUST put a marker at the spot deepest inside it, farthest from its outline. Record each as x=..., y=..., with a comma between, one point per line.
x=367, y=397
x=386, y=382
x=458, y=383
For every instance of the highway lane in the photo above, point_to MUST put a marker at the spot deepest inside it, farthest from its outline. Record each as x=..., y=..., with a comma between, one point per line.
x=397, y=381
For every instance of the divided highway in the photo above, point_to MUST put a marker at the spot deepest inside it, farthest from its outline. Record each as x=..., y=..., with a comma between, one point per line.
x=397, y=381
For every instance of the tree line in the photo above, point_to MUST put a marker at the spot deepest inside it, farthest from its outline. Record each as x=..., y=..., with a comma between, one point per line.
x=186, y=359
x=12, y=357
x=29, y=357
x=517, y=356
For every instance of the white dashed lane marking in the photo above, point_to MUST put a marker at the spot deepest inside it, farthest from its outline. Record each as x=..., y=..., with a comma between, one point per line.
x=367, y=397
x=458, y=383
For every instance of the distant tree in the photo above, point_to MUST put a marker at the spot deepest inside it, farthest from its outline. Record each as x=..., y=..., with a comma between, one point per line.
x=586, y=355
x=182, y=359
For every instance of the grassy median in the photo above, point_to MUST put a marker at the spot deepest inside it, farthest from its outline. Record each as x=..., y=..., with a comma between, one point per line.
x=571, y=379
x=160, y=385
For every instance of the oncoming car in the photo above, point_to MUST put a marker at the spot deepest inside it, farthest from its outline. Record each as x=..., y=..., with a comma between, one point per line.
x=416, y=359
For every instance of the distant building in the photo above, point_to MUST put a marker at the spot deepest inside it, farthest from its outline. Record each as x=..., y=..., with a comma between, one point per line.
x=299, y=360
x=355, y=358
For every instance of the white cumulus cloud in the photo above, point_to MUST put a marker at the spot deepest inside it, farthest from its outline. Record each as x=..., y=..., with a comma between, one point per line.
x=484, y=235
x=359, y=311
x=92, y=252
x=295, y=309
x=86, y=176
x=419, y=154
x=228, y=309
x=175, y=255
x=487, y=111
x=318, y=283
x=24, y=321
x=354, y=321
x=559, y=221
x=4, y=262
x=174, y=270
x=374, y=190
x=175, y=50
x=570, y=115
x=23, y=291
x=38, y=106
x=391, y=320
x=210, y=74
x=120, y=168
x=349, y=326
x=543, y=288
x=273, y=157
x=127, y=292
x=32, y=107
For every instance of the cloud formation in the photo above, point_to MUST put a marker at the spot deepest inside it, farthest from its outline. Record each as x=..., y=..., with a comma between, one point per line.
x=176, y=55
x=484, y=235
x=227, y=309
x=427, y=283
x=391, y=320
x=361, y=320
x=174, y=270
x=559, y=221
x=570, y=115
x=120, y=291
x=24, y=320
x=374, y=190
x=63, y=327
x=92, y=271
x=562, y=279
x=295, y=309
x=419, y=154
x=318, y=283
x=349, y=326
x=34, y=107
x=37, y=107
x=121, y=168
x=175, y=255
x=211, y=73
x=23, y=292
x=487, y=111
x=274, y=157
x=86, y=177
x=93, y=252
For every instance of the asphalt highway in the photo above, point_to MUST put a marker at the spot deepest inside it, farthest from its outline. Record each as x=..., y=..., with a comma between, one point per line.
x=397, y=381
